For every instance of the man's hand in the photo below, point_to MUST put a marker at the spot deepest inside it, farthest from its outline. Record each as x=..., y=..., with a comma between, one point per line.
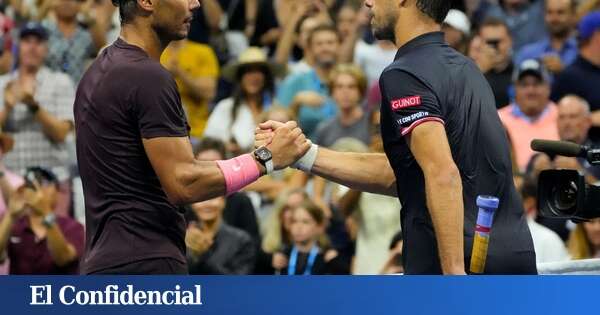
x=37, y=200
x=552, y=63
x=279, y=261
x=198, y=241
x=286, y=142
x=11, y=95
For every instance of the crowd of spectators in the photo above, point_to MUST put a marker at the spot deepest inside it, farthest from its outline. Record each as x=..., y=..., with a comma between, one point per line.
x=313, y=61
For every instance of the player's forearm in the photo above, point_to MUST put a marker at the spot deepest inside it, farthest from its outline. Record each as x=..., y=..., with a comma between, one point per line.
x=370, y=172
x=199, y=181
x=444, y=200
x=61, y=251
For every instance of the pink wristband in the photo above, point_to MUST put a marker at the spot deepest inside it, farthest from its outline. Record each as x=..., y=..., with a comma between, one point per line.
x=239, y=172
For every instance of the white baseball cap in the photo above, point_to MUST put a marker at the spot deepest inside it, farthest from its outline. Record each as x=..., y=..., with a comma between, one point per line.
x=458, y=20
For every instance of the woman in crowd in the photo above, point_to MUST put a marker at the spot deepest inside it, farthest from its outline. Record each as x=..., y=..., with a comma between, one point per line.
x=584, y=241
x=233, y=120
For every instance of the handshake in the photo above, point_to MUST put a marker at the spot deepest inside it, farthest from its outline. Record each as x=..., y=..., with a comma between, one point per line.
x=288, y=145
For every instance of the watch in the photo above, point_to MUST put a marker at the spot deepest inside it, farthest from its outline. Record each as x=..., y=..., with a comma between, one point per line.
x=49, y=220
x=264, y=157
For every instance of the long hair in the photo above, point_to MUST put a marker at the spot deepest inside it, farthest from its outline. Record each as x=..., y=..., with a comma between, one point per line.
x=579, y=245
x=275, y=237
x=239, y=94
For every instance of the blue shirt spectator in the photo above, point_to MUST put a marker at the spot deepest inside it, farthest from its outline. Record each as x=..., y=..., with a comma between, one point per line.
x=308, y=116
x=539, y=50
x=525, y=20
x=307, y=93
x=559, y=48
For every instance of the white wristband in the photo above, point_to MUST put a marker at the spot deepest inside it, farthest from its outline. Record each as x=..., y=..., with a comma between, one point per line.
x=306, y=162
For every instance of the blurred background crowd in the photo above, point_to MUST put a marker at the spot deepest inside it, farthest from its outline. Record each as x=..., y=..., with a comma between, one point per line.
x=314, y=61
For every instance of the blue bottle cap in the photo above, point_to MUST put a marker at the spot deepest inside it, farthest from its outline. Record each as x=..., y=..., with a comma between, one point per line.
x=488, y=202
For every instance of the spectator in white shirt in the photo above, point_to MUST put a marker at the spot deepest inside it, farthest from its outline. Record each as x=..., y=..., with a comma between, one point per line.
x=548, y=245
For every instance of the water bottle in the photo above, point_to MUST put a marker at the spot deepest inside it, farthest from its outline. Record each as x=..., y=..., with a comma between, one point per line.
x=487, y=206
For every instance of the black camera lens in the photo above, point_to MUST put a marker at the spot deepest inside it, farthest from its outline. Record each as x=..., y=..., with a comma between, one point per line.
x=565, y=198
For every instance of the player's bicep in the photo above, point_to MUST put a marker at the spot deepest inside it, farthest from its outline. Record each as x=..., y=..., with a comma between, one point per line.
x=167, y=155
x=409, y=101
x=429, y=145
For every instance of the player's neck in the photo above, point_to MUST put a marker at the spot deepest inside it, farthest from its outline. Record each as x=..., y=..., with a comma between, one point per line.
x=413, y=27
x=145, y=38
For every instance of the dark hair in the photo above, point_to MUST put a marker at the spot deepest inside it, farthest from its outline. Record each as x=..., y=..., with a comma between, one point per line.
x=42, y=175
x=529, y=188
x=435, y=9
x=208, y=144
x=238, y=94
x=127, y=9
x=321, y=28
x=493, y=22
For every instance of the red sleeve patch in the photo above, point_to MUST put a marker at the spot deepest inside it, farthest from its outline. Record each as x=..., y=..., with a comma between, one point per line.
x=406, y=102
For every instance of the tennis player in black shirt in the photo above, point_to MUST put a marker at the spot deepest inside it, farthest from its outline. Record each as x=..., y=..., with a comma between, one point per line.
x=444, y=146
x=134, y=154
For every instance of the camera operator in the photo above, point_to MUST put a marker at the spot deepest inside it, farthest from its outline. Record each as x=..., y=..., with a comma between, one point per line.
x=574, y=122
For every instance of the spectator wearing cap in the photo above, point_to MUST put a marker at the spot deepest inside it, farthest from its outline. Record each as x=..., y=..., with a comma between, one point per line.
x=37, y=107
x=71, y=45
x=32, y=236
x=532, y=115
x=196, y=69
x=559, y=48
x=492, y=51
x=234, y=119
x=307, y=93
x=457, y=28
x=525, y=19
x=582, y=78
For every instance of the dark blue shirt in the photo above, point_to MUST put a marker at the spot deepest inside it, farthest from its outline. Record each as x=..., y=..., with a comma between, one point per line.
x=431, y=82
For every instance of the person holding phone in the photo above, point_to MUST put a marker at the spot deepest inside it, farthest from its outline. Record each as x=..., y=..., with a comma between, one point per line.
x=492, y=51
x=32, y=236
x=214, y=247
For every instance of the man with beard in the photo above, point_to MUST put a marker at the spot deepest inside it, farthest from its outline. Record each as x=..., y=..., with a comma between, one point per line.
x=307, y=93
x=135, y=157
x=444, y=146
x=559, y=48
